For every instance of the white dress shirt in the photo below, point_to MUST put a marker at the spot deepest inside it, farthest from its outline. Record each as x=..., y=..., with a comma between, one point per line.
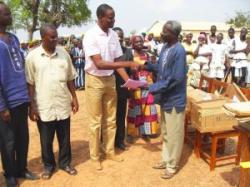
x=95, y=42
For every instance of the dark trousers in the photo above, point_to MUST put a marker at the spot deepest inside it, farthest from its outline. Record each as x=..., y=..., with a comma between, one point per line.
x=239, y=80
x=14, y=137
x=47, y=132
x=120, y=120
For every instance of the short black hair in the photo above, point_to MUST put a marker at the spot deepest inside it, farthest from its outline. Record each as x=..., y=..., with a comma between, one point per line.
x=101, y=10
x=231, y=29
x=117, y=29
x=221, y=34
x=45, y=27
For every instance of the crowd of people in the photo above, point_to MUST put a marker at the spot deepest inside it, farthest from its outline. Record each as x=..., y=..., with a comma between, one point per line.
x=40, y=82
x=216, y=56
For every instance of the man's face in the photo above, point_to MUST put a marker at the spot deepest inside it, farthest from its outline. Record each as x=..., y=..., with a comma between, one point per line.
x=120, y=36
x=5, y=15
x=50, y=39
x=167, y=33
x=108, y=19
x=75, y=42
x=231, y=33
x=219, y=38
x=79, y=45
x=243, y=33
x=150, y=37
x=213, y=29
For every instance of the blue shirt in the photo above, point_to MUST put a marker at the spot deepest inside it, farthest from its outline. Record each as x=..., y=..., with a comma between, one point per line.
x=13, y=86
x=170, y=87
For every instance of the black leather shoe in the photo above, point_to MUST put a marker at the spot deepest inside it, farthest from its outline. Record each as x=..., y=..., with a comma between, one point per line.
x=11, y=182
x=70, y=170
x=122, y=146
x=28, y=175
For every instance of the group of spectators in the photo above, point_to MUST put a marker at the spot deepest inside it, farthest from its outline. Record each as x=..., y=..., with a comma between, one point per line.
x=216, y=56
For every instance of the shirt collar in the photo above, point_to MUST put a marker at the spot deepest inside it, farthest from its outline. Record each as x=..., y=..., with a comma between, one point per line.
x=44, y=53
x=101, y=32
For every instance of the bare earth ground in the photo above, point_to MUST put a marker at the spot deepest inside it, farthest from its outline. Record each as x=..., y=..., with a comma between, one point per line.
x=135, y=171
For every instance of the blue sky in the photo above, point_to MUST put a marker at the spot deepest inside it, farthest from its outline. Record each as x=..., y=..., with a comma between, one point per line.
x=139, y=14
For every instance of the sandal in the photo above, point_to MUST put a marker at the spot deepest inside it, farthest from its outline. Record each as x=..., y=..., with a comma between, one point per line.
x=160, y=165
x=167, y=175
x=70, y=170
x=46, y=175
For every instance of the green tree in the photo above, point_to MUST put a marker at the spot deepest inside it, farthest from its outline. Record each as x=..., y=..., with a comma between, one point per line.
x=30, y=14
x=242, y=19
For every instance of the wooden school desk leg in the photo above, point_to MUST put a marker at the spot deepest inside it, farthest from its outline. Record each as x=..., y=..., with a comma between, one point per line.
x=197, y=144
x=238, y=150
x=213, y=153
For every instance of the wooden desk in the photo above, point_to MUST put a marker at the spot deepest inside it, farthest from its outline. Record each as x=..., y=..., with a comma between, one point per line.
x=244, y=129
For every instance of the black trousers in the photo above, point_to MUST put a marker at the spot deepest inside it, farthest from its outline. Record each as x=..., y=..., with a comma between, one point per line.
x=14, y=137
x=239, y=81
x=120, y=120
x=47, y=132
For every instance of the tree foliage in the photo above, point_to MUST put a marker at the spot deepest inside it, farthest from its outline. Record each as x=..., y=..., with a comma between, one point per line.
x=30, y=14
x=242, y=19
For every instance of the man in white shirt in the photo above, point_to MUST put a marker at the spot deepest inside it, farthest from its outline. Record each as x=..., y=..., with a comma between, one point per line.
x=50, y=75
x=239, y=65
x=219, y=58
x=212, y=37
x=102, y=49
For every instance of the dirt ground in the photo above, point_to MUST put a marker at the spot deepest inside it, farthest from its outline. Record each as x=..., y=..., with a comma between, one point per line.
x=135, y=171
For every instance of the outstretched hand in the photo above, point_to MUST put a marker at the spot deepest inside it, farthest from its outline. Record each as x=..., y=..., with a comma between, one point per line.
x=134, y=66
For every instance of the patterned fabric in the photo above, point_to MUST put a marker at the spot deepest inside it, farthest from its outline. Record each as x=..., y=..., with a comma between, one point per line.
x=79, y=64
x=142, y=113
